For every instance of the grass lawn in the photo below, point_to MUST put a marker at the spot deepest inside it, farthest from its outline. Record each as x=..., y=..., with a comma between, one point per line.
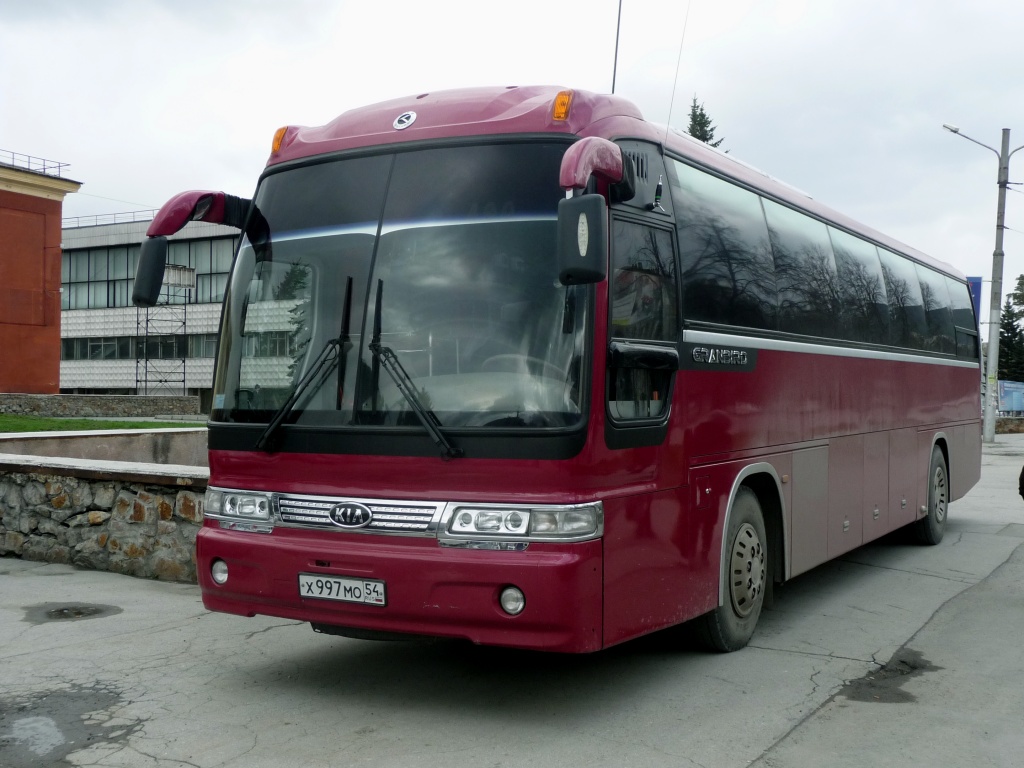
x=10, y=422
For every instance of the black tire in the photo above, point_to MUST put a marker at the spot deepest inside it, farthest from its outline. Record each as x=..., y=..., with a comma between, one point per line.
x=731, y=625
x=929, y=529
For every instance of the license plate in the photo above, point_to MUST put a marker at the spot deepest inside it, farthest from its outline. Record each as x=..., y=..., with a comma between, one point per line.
x=347, y=590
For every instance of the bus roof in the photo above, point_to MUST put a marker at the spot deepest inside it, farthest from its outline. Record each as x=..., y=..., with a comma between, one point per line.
x=529, y=110
x=445, y=114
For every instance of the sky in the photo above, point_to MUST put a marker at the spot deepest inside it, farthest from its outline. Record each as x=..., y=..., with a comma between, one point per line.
x=843, y=99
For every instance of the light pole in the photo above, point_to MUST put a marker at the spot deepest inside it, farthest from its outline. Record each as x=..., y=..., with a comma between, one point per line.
x=1004, y=154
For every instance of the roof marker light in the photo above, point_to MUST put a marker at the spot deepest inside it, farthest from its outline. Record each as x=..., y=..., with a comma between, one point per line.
x=560, y=110
x=278, y=138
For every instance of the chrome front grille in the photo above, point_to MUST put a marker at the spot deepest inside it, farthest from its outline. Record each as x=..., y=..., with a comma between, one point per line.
x=394, y=517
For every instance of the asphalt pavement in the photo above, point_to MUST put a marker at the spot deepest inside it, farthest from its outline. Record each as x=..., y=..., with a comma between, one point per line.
x=894, y=655
x=953, y=693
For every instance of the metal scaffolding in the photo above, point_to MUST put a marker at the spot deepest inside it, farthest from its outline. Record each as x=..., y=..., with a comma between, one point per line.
x=162, y=332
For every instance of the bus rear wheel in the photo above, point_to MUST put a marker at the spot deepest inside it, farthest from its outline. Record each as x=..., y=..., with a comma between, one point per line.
x=929, y=529
x=731, y=625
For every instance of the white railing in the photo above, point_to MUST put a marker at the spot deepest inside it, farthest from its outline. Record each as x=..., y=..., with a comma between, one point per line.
x=128, y=217
x=29, y=163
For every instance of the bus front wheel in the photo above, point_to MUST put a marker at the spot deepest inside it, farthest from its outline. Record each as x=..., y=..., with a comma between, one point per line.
x=731, y=625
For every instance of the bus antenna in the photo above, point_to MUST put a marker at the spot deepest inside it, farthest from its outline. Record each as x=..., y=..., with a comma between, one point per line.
x=679, y=61
x=615, y=61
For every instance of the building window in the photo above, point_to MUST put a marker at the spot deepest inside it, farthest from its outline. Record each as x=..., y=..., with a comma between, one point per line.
x=98, y=278
x=166, y=347
x=202, y=345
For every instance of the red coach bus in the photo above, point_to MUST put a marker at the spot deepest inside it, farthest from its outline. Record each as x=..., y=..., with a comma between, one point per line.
x=516, y=366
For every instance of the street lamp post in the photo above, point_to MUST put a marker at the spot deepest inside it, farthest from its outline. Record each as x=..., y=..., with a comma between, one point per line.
x=1004, y=154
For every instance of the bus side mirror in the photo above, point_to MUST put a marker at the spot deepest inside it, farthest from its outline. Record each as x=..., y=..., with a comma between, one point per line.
x=582, y=240
x=149, y=277
x=198, y=205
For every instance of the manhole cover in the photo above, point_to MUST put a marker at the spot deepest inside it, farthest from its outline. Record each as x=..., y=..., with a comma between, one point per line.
x=47, y=612
x=73, y=612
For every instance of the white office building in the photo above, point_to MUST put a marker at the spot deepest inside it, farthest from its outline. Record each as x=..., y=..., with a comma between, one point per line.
x=109, y=346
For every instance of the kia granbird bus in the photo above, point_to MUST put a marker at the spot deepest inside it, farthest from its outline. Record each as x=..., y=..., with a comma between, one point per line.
x=516, y=366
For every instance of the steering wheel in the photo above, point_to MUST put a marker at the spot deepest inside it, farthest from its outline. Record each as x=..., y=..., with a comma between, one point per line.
x=511, y=363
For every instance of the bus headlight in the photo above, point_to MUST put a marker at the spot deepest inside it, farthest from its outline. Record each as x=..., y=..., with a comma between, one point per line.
x=237, y=504
x=500, y=521
x=578, y=522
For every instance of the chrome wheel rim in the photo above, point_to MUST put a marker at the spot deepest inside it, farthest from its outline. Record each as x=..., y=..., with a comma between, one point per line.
x=747, y=571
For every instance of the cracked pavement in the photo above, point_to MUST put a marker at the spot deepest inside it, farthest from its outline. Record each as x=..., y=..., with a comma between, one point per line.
x=893, y=655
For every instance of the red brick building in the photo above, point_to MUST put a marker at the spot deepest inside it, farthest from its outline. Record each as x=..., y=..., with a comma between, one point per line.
x=31, y=198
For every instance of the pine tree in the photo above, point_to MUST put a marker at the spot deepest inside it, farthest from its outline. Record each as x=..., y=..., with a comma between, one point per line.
x=701, y=126
x=1017, y=294
x=1011, y=342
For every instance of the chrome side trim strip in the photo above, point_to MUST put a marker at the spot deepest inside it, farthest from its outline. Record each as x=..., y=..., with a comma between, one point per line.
x=785, y=345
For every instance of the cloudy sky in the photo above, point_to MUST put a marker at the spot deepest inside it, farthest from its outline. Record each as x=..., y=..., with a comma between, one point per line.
x=843, y=99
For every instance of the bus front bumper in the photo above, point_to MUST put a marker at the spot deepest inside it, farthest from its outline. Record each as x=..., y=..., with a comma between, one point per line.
x=427, y=589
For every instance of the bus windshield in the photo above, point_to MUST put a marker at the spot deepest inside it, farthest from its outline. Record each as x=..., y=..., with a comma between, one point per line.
x=456, y=280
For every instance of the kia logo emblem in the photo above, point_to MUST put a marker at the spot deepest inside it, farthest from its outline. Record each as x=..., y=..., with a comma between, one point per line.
x=404, y=120
x=351, y=515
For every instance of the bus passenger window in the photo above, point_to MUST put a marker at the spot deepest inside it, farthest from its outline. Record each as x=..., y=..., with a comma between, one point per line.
x=964, y=321
x=727, y=270
x=907, y=326
x=805, y=274
x=861, y=288
x=938, y=311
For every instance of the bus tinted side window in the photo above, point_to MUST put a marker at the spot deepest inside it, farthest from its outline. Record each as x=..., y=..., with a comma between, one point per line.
x=907, y=327
x=964, y=322
x=728, y=274
x=805, y=273
x=938, y=317
x=862, y=288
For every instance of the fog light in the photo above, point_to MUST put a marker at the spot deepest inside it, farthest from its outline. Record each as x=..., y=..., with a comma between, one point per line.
x=219, y=572
x=512, y=600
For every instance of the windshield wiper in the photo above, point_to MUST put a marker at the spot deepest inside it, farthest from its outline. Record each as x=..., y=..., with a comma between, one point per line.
x=327, y=358
x=389, y=362
x=346, y=312
x=333, y=354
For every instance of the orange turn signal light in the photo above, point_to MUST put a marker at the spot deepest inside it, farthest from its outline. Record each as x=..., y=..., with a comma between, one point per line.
x=560, y=110
x=278, y=138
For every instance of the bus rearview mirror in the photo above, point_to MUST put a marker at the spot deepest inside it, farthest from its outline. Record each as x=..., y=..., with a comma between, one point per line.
x=582, y=240
x=149, y=277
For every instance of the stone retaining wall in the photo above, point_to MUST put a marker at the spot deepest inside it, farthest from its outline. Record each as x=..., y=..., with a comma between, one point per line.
x=114, y=406
x=155, y=446
x=131, y=520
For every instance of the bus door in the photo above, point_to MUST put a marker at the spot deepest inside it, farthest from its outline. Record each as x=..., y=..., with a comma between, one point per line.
x=645, y=526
